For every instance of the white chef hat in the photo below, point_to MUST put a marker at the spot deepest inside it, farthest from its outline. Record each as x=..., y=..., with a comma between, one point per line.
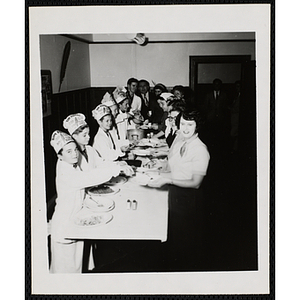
x=166, y=96
x=100, y=111
x=119, y=94
x=73, y=122
x=60, y=139
x=108, y=100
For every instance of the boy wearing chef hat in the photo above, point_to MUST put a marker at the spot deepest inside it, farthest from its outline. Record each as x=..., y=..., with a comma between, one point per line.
x=123, y=117
x=163, y=101
x=79, y=130
x=110, y=102
x=71, y=181
x=106, y=141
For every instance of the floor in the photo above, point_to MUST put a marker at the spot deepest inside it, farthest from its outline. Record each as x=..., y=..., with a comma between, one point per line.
x=228, y=226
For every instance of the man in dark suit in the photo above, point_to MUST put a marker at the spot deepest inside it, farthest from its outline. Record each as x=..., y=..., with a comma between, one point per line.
x=216, y=114
x=150, y=109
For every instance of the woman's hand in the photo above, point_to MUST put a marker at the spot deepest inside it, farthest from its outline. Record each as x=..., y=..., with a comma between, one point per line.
x=154, y=126
x=159, y=182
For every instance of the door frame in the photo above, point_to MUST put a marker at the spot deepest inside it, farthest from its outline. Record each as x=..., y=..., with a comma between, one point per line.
x=209, y=59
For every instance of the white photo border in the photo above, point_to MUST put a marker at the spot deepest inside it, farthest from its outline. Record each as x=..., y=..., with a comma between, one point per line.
x=195, y=18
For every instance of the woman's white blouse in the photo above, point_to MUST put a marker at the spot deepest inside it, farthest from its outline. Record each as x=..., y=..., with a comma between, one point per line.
x=70, y=184
x=103, y=144
x=194, y=160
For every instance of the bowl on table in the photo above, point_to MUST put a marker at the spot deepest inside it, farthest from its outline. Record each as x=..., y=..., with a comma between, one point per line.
x=99, y=204
x=135, y=134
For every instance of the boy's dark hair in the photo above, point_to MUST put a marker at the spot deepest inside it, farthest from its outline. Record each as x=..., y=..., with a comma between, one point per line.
x=144, y=81
x=131, y=80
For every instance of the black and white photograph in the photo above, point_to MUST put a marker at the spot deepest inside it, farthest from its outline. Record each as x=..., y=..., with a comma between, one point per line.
x=150, y=142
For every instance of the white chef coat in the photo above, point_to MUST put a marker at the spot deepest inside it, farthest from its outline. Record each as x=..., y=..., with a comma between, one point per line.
x=136, y=104
x=94, y=160
x=70, y=184
x=122, y=125
x=104, y=146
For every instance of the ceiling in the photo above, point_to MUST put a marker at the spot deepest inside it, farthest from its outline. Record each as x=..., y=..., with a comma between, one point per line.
x=165, y=37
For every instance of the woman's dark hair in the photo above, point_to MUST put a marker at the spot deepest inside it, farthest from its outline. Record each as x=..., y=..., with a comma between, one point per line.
x=161, y=87
x=192, y=115
x=177, y=105
x=80, y=129
x=179, y=88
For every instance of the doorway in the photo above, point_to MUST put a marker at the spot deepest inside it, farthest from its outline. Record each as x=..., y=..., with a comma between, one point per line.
x=228, y=68
x=204, y=69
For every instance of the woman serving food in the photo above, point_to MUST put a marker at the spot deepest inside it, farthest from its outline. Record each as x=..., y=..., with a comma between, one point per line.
x=188, y=162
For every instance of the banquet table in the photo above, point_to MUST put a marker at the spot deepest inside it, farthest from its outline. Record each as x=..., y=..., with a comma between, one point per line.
x=149, y=221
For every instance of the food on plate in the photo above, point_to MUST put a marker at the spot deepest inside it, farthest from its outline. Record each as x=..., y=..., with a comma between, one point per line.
x=116, y=180
x=152, y=164
x=101, y=190
x=152, y=142
x=93, y=220
x=104, y=189
x=160, y=152
x=141, y=152
x=99, y=204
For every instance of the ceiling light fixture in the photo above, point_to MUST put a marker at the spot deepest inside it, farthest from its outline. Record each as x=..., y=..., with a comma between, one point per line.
x=140, y=39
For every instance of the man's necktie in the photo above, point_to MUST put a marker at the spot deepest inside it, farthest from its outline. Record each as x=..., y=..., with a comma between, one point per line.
x=146, y=100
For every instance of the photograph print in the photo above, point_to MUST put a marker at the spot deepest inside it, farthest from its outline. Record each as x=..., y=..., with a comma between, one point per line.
x=151, y=151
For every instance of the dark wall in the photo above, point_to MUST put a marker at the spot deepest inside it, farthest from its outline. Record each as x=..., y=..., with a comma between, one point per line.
x=62, y=105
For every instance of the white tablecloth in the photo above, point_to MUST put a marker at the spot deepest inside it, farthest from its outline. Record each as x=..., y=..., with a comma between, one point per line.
x=148, y=222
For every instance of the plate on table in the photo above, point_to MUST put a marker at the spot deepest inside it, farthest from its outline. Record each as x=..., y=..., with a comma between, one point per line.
x=93, y=220
x=144, y=178
x=154, y=143
x=152, y=165
x=100, y=204
x=118, y=180
x=102, y=190
x=141, y=152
